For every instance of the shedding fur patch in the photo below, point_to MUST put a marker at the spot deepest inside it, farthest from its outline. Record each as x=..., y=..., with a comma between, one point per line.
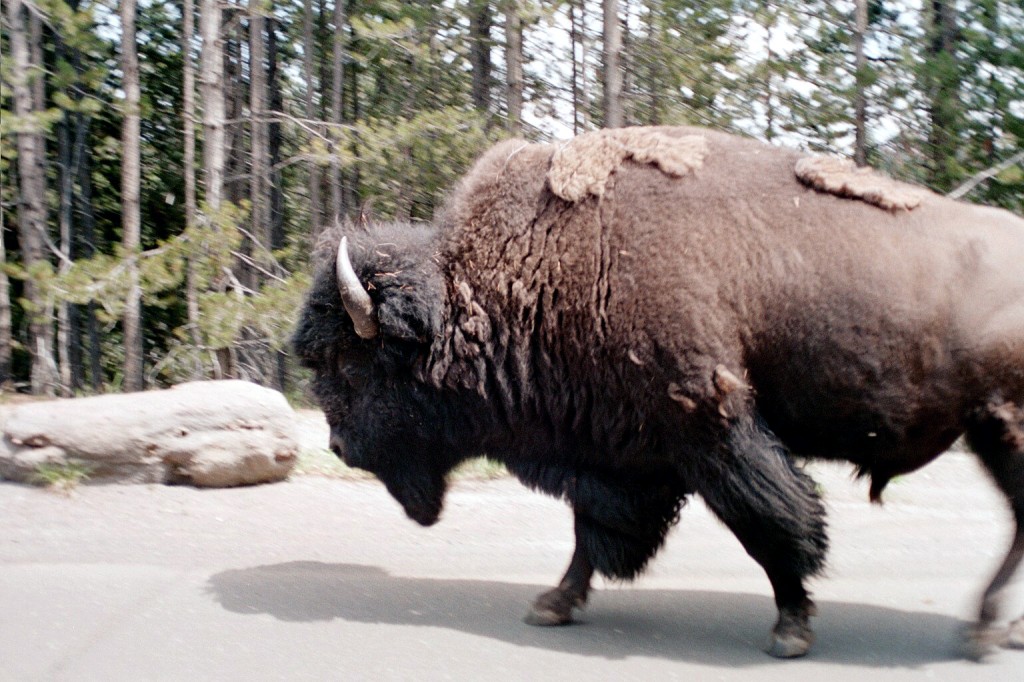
x=582, y=165
x=842, y=178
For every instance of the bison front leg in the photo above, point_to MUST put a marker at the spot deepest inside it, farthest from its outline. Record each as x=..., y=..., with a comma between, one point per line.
x=774, y=511
x=555, y=606
x=620, y=523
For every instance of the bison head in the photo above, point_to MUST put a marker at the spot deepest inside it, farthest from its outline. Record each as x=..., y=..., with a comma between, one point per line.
x=367, y=330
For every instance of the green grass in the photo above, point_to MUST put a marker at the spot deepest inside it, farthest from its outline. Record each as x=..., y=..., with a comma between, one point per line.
x=480, y=469
x=322, y=462
x=62, y=477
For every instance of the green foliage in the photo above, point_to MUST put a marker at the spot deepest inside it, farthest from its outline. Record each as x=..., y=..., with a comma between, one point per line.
x=992, y=100
x=681, y=55
x=228, y=310
x=408, y=130
x=406, y=165
x=63, y=477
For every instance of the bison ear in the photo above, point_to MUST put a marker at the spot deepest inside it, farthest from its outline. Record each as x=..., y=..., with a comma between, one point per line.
x=411, y=311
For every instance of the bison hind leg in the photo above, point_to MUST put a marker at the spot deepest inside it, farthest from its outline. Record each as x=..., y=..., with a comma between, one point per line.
x=996, y=434
x=773, y=508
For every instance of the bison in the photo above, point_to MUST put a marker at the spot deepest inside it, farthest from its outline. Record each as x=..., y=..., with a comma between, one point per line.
x=638, y=315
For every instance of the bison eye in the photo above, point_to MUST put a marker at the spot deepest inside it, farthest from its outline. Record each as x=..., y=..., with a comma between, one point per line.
x=354, y=377
x=310, y=363
x=320, y=308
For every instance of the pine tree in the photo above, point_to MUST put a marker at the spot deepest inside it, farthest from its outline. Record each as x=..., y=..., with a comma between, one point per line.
x=31, y=122
x=131, y=183
x=513, y=67
x=613, y=107
x=681, y=55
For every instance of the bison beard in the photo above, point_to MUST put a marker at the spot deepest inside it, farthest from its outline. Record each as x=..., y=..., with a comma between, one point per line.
x=626, y=329
x=420, y=496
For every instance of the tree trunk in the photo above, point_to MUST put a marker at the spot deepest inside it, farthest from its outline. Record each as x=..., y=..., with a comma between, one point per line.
x=655, y=76
x=480, y=54
x=769, y=99
x=277, y=235
x=860, y=143
x=6, y=331
x=259, y=181
x=354, y=114
x=585, y=99
x=189, y=126
x=514, y=66
x=35, y=42
x=236, y=165
x=315, y=215
x=211, y=85
x=279, y=380
x=943, y=89
x=259, y=185
x=65, y=202
x=574, y=40
x=626, y=67
x=77, y=155
x=65, y=211
x=612, y=54
x=189, y=110
x=337, y=208
x=31, y=199
x=131, y=179
x=85, y=209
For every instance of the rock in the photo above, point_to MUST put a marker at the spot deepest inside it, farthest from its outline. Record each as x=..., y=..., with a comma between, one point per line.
x=206, y=433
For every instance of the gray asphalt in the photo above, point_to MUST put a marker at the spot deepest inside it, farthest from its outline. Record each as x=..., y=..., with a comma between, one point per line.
x=320, y=578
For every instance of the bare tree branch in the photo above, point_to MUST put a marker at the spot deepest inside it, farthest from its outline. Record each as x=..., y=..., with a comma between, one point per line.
x=984, y=175
x=306, y=124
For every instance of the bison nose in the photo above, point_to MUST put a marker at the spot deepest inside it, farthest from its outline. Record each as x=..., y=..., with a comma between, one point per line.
x=338, y=447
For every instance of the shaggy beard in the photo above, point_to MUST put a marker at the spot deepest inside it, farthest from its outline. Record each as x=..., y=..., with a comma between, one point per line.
x=421, y=497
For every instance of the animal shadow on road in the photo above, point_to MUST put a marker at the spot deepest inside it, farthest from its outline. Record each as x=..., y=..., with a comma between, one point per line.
x=712, y=628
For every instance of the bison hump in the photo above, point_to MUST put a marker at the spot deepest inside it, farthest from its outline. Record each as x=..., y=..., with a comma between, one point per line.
x=582, y=165
x=842, y=178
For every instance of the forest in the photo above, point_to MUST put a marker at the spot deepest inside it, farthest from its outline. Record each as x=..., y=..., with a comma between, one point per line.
x=166, y=167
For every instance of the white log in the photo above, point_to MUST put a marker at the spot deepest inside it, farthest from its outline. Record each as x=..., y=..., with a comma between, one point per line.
x=206, y=433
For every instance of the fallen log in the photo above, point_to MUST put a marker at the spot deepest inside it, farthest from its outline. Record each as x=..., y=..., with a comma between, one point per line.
x=206, y=433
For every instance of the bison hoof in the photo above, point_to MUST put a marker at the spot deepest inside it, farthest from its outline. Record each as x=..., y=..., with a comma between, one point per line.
x=792, y=636
x=982, y=641
x=1015, y=635
x=553, y=608
x=789, y=646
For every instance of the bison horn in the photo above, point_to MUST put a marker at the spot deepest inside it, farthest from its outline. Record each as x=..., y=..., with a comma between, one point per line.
x=354, y=297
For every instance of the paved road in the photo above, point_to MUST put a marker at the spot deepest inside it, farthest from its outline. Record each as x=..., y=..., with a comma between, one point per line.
x=325, y=579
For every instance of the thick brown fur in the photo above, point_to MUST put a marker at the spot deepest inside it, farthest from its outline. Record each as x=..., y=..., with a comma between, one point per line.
x=891, y=326
x=668, y=334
